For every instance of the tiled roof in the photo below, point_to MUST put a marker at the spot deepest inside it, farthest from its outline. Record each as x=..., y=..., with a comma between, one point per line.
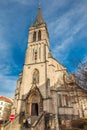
x=2, y=98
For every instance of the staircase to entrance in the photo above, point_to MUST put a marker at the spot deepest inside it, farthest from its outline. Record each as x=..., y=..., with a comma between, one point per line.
x=38, y=123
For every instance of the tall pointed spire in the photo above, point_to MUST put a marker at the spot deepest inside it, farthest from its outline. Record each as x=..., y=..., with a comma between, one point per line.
x=39, y=18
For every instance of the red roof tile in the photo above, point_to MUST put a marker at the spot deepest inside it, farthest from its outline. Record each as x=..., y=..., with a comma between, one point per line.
x=6, y=99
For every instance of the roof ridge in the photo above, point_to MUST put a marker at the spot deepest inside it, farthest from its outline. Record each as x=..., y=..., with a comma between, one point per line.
x=6, y=99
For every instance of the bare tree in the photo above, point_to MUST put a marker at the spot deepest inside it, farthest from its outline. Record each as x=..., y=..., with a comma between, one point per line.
x=81, y=75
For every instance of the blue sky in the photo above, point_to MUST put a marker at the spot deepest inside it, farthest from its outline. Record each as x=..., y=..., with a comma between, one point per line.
x=67, y=26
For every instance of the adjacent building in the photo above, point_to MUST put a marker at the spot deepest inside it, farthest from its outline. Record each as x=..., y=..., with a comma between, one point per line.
x=5, y=108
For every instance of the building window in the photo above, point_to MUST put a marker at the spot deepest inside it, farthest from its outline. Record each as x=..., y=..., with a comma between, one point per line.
x=35, y=55
x=1, y=103
x=34, y=37
x=39, y=35
x=35, y=76
x=0, y=108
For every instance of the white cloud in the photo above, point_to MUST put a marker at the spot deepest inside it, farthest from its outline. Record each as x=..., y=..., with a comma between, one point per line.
x=7, y=85
x=6, y=53
x=66, y=27
x=52, y=6
x=85, y=59
x=25, y=2
x=61, y=51
x=4, y=46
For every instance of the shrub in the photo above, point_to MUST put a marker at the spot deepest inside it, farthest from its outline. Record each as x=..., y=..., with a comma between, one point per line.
x=80, y=123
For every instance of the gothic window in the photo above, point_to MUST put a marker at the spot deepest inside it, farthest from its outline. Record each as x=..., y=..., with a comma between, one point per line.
x=36, y=76
x=34, y=37
x=39, y=35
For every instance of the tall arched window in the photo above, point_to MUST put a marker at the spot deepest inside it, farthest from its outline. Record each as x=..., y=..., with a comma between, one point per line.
x=39, y=35
x=35, y=78
x=34, y=36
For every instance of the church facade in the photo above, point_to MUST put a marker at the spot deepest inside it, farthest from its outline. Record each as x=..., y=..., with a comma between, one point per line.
x=45, y=92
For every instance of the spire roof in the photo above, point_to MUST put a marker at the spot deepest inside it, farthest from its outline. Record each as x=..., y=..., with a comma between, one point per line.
x=39, y=18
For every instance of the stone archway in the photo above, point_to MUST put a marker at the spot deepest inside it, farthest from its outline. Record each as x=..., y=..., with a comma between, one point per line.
x=34, y=103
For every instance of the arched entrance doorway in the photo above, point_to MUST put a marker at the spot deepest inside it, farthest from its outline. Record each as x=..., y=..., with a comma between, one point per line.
x=34, y=103
x=34, y=109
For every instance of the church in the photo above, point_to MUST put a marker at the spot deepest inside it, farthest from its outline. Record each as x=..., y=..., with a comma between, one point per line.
x=45, y=92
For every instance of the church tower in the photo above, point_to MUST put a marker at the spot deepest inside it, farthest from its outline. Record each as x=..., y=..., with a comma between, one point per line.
x=34, y=84
x=41, y=78
x=40, y=72
x=38, y=41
